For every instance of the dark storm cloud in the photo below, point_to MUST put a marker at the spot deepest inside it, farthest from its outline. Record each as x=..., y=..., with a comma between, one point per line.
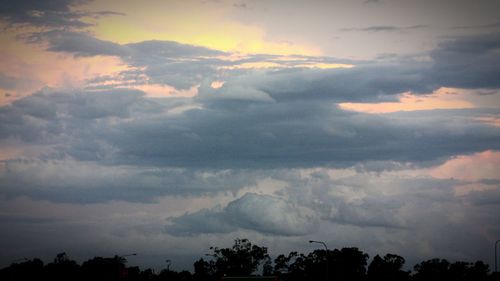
x=253, y=133
x=238, y=132
x=102, y=146
x=364, y=82
x=467, y=62
x=59, y=13
x=78, y=43
x=463, y=62
x=46, y=116
x=143, y=53
x=261, y=213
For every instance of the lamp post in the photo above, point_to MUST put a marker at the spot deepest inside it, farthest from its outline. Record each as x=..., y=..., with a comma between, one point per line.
x=168, y=264
x=127, y=255
x=326, y=248
x=123, y=272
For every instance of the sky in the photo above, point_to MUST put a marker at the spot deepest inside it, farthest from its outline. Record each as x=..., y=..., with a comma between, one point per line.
x=165, y=127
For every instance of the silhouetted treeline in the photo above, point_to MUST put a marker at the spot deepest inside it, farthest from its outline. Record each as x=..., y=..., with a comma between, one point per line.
x=246, y=259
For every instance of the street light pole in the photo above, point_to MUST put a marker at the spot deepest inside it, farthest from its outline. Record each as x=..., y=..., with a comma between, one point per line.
x=127, y=255
x=326, y=248
x=119, y=259
x=168, y=264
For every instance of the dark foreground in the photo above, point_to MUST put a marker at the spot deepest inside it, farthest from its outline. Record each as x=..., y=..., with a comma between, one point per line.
x=244, y=259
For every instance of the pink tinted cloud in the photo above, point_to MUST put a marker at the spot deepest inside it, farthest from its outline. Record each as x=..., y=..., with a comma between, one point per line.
x=482, y=165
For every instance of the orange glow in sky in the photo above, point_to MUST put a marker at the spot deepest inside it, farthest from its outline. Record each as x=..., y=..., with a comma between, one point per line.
x=443, y=98
x=38, y=68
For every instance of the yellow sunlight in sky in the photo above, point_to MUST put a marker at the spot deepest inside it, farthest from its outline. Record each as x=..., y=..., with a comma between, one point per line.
x=187, y=22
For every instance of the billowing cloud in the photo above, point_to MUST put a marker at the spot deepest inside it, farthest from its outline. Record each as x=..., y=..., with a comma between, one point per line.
x=200, y=222
x=261, y=213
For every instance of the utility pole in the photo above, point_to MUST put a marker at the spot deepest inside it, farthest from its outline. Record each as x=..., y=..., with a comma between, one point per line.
x=327, y=254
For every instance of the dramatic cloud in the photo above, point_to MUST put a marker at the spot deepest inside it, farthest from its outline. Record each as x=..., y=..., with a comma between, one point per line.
x=262, y=213
x=463, y=62
x=123, y=127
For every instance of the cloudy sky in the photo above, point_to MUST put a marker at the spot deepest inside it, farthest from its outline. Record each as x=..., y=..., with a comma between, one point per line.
x=167, y=127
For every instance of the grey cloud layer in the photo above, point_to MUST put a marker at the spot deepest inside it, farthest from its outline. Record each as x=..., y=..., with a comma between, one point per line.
x=122, y=127
x=59, y=14
x=468, y=62
x=90, y=182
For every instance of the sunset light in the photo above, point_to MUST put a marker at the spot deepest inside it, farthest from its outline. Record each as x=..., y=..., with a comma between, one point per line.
x=207, y=140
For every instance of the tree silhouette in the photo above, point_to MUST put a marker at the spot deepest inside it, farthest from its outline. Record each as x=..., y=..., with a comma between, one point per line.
x=242, y=259
x=440, y=269
x=28, y=270
x=204, y=270
x=434, y=269
x=62, y=268
x=100, y=268
x=291, y=267
x=478, y=271
x=389, y=268
x=348, y=264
